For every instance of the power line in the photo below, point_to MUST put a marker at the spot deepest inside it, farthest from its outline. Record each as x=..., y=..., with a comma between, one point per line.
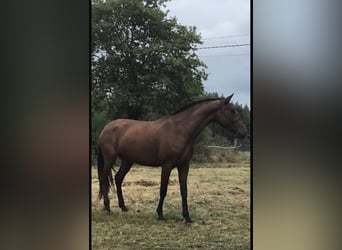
x=244, y=54
x=218, y=37
x=225, y=46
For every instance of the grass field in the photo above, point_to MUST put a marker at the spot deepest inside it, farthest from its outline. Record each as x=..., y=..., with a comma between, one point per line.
x=219, y=204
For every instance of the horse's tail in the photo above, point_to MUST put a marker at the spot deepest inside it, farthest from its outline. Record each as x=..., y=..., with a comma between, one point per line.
x=100, y=167
x=105, y=180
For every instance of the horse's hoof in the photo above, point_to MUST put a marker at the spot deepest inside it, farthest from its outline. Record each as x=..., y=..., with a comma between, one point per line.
x=124, y=209
x=161, y=218
x=188, y=221
x=107, y=212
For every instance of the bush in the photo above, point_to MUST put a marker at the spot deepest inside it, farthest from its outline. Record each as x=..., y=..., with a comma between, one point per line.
x=203, y=154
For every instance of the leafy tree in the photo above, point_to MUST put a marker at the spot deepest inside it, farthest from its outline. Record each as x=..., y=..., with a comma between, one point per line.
x=99, y=119
x=143, y=63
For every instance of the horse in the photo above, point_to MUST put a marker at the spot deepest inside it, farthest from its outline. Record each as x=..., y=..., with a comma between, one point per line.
x=166, y=142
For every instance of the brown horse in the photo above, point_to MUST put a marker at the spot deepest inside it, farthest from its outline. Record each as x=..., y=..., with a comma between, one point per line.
x=167, y=142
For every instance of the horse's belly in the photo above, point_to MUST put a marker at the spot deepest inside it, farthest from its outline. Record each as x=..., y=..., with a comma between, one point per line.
x=140, y=153
x=142, y=160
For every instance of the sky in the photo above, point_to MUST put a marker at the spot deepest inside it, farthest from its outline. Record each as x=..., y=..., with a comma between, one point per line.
x=220, y=23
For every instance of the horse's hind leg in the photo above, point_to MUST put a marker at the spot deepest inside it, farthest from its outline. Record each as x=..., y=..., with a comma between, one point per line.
x=124, y=168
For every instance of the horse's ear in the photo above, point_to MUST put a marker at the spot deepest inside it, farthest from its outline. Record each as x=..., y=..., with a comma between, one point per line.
x=227, y=100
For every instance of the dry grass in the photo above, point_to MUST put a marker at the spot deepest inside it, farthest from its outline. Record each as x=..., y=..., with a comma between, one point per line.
x=219, y=204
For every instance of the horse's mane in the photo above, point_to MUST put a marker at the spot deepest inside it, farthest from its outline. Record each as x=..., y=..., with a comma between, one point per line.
x=195, y=103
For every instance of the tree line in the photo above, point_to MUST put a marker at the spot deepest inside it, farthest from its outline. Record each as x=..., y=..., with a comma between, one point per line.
x=144, y=65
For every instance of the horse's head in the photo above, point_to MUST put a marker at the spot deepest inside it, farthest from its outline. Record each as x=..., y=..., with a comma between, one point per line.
x=230, y=119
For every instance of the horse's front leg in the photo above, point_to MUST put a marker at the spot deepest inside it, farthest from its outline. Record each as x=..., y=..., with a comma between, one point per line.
x=165, y=175
x=183, y=177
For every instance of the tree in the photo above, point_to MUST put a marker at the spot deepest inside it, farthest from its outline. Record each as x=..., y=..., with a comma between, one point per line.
x=99, y=119
x=143, y=63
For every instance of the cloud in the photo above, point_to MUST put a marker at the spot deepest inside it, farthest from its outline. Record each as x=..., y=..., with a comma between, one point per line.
x=228, y=68
x=213, y=14
x=219, y=29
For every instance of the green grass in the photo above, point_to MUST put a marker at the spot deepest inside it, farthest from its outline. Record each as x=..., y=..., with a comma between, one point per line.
x=219, y=204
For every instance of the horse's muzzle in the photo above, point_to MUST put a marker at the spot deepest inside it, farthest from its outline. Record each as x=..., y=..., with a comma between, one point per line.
x=242, y=135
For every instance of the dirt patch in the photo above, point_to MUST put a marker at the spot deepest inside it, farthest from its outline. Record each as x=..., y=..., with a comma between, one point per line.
x=236, y=190
x=146, y=183
x=140, y=183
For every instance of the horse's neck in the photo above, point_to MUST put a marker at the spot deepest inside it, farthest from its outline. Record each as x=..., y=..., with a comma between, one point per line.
x=195, y=119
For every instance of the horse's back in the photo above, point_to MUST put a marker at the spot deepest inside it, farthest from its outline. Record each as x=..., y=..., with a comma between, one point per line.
x=123, y=125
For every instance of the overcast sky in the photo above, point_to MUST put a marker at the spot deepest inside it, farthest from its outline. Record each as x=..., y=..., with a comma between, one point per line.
x=221, y=23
